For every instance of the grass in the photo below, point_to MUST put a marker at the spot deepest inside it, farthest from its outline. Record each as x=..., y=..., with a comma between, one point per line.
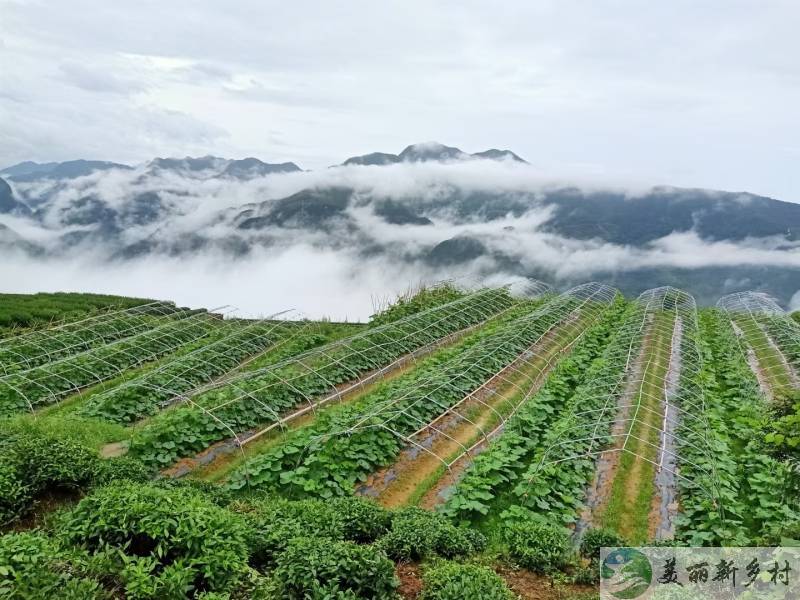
x=29, y=310
x=89, y=432
x=629, y=503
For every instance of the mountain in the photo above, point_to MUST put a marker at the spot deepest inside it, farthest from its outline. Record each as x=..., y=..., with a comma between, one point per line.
x=209, y=167
x=28, y=168
x=494, y=154
x=30, y=171
x=248, y=168
x=430, y=151
x=375, y=158
x=619, y=219
x=9, y=205
x=437, y=219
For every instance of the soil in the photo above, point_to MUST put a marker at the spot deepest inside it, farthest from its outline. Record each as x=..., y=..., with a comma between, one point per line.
x=525, y=584
x=114, y=449
x=43, y=505
x=530, y=586
x=410, y=580
x=664, y=507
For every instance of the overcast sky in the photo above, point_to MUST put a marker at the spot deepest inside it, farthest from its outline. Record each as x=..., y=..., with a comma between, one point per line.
x=682, y=92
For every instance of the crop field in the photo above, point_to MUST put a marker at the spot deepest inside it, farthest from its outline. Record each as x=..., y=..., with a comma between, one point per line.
x=462, y=443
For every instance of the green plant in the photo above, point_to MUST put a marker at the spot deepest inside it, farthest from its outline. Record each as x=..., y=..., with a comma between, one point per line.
x=165, y=526
x=538, y=546
x=362, y=520
x=454, y=581
x=319, y=568
x=32, y=463
x=417, y=534
x=32, y=566
x=274, y=522
x=37, y=459
x=313, y=463
x=595, y=539
x=495, y=470
x=122, y=467
x=283, y=386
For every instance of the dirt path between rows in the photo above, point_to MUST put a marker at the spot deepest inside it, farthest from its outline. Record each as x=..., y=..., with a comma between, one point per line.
x=607, y=464
x=628, y=508
x=664, y=507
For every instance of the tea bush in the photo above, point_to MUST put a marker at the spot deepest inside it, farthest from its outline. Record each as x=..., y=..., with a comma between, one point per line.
x=454, y=581
x=538, y=546
x=417, y=533
x=341, y=569
x=32, y=566
x=175, y=538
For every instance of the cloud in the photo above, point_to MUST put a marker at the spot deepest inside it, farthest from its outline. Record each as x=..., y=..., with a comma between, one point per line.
x=312, y=283
x=794, y=303
x=97, y=79
x=360, y=253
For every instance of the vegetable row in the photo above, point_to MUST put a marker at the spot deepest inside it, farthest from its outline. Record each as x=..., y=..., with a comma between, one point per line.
x=42, y=346
x=49, y=383
x=734, y=492
x=329, y=457
x=496, y=470
x=150, y=392
x=260, y=397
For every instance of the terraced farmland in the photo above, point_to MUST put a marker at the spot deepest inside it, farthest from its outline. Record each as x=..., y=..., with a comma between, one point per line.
x=484, y=440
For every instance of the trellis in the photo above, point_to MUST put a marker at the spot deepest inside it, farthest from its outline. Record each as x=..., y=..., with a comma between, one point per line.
x=521, y=376
x=421, y=333
x=135, y=346
x=768, y=338
x=270, y=333
x=37, y=347
x=626, y=416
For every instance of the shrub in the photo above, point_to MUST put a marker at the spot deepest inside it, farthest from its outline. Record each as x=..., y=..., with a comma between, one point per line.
x=594, y=539
x=47, y=461
x=211, y=491
x=418, y=533
x=537, y=546
x=33, y=567
x=14, y=494
x=122, y=468
x=31, y=463
x=37, y=459
x=344, y=569
x=165, y=527
x=454, y=581
x=362, y=520
x=273, y=522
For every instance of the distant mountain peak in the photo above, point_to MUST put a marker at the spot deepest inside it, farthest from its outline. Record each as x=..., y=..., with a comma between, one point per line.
x=374, y=158
x=430, y=151
x=206, y=167
x=70, y=169
x=494, y=154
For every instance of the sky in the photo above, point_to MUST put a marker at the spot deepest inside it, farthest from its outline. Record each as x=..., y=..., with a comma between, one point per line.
x=684, y=93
